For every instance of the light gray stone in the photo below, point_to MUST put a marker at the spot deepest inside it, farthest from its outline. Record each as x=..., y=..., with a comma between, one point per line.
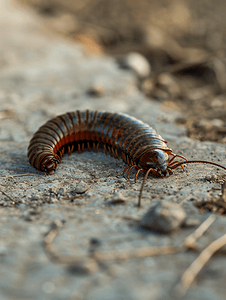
x=165, y=217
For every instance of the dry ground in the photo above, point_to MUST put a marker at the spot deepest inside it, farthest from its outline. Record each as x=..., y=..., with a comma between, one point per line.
x=43, y=75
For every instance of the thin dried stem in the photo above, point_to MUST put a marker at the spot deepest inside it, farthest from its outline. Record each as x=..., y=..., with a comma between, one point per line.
x=64, y=259
x=135, y=253
x=7, y=195
x=192, y=238
x=190, y=274
x=101, y=256
x=17, y=175
x=189, y=242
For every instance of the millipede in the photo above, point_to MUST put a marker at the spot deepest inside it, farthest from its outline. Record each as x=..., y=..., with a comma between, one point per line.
x=122, y=136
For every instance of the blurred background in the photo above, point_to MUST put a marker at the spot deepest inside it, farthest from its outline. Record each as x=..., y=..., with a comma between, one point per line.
x=182, y=41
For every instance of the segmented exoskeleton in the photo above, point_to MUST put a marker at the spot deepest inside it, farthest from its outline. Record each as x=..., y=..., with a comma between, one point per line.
x=122, y=136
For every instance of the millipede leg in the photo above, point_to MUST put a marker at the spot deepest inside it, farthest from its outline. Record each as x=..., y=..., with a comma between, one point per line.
x=127, y=175
x=109, y=150
x=88, y=146
x=61, y=153
x=59, y=156
x=123, y=174
x=169, y=170
x=105, y=149
x=137, y=173
x=175, y=162
x=69, y=150
x=136, y=167
x=116, y=153
x=172, y=158
x=127, y=160
x=113, y=153
x=176, y=155
x=57, y=159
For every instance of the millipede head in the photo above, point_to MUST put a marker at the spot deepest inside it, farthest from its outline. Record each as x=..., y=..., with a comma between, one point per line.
x=157, y=160
x=49, y=164
x=173, y=166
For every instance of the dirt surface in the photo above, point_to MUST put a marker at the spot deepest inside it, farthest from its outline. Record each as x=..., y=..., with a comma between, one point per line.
x=43, y=75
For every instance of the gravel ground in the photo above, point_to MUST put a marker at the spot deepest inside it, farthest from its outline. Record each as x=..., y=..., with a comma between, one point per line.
x=42, y=76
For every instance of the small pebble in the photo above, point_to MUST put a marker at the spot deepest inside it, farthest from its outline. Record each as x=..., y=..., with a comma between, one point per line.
x=160, y=94
x=52, y=190
x=21, y=201
x=86, y=267
x=117, y=198
x=217, y=102
x=53, y=200
x=138, y=63
x=122, y=180
x=168, y=83
x=80, y=188
x=36, y=197
x=203, y=124
x=36, y=211
x=30, y=218
x=211, y=177
x=96, y=91
x=164, y=217
x=88, y=194
x=61, y=191
x=95, y=242
x=123, y=186
x=217, y=123
x=147, y=86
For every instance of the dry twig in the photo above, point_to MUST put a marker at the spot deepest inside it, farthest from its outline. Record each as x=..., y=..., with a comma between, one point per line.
x=192, y=238
x=3, y=193
x=99, y=256
x=17, y=175
x=190, y=274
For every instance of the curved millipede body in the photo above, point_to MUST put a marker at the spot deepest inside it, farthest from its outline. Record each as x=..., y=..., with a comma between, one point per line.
x=122, y=136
